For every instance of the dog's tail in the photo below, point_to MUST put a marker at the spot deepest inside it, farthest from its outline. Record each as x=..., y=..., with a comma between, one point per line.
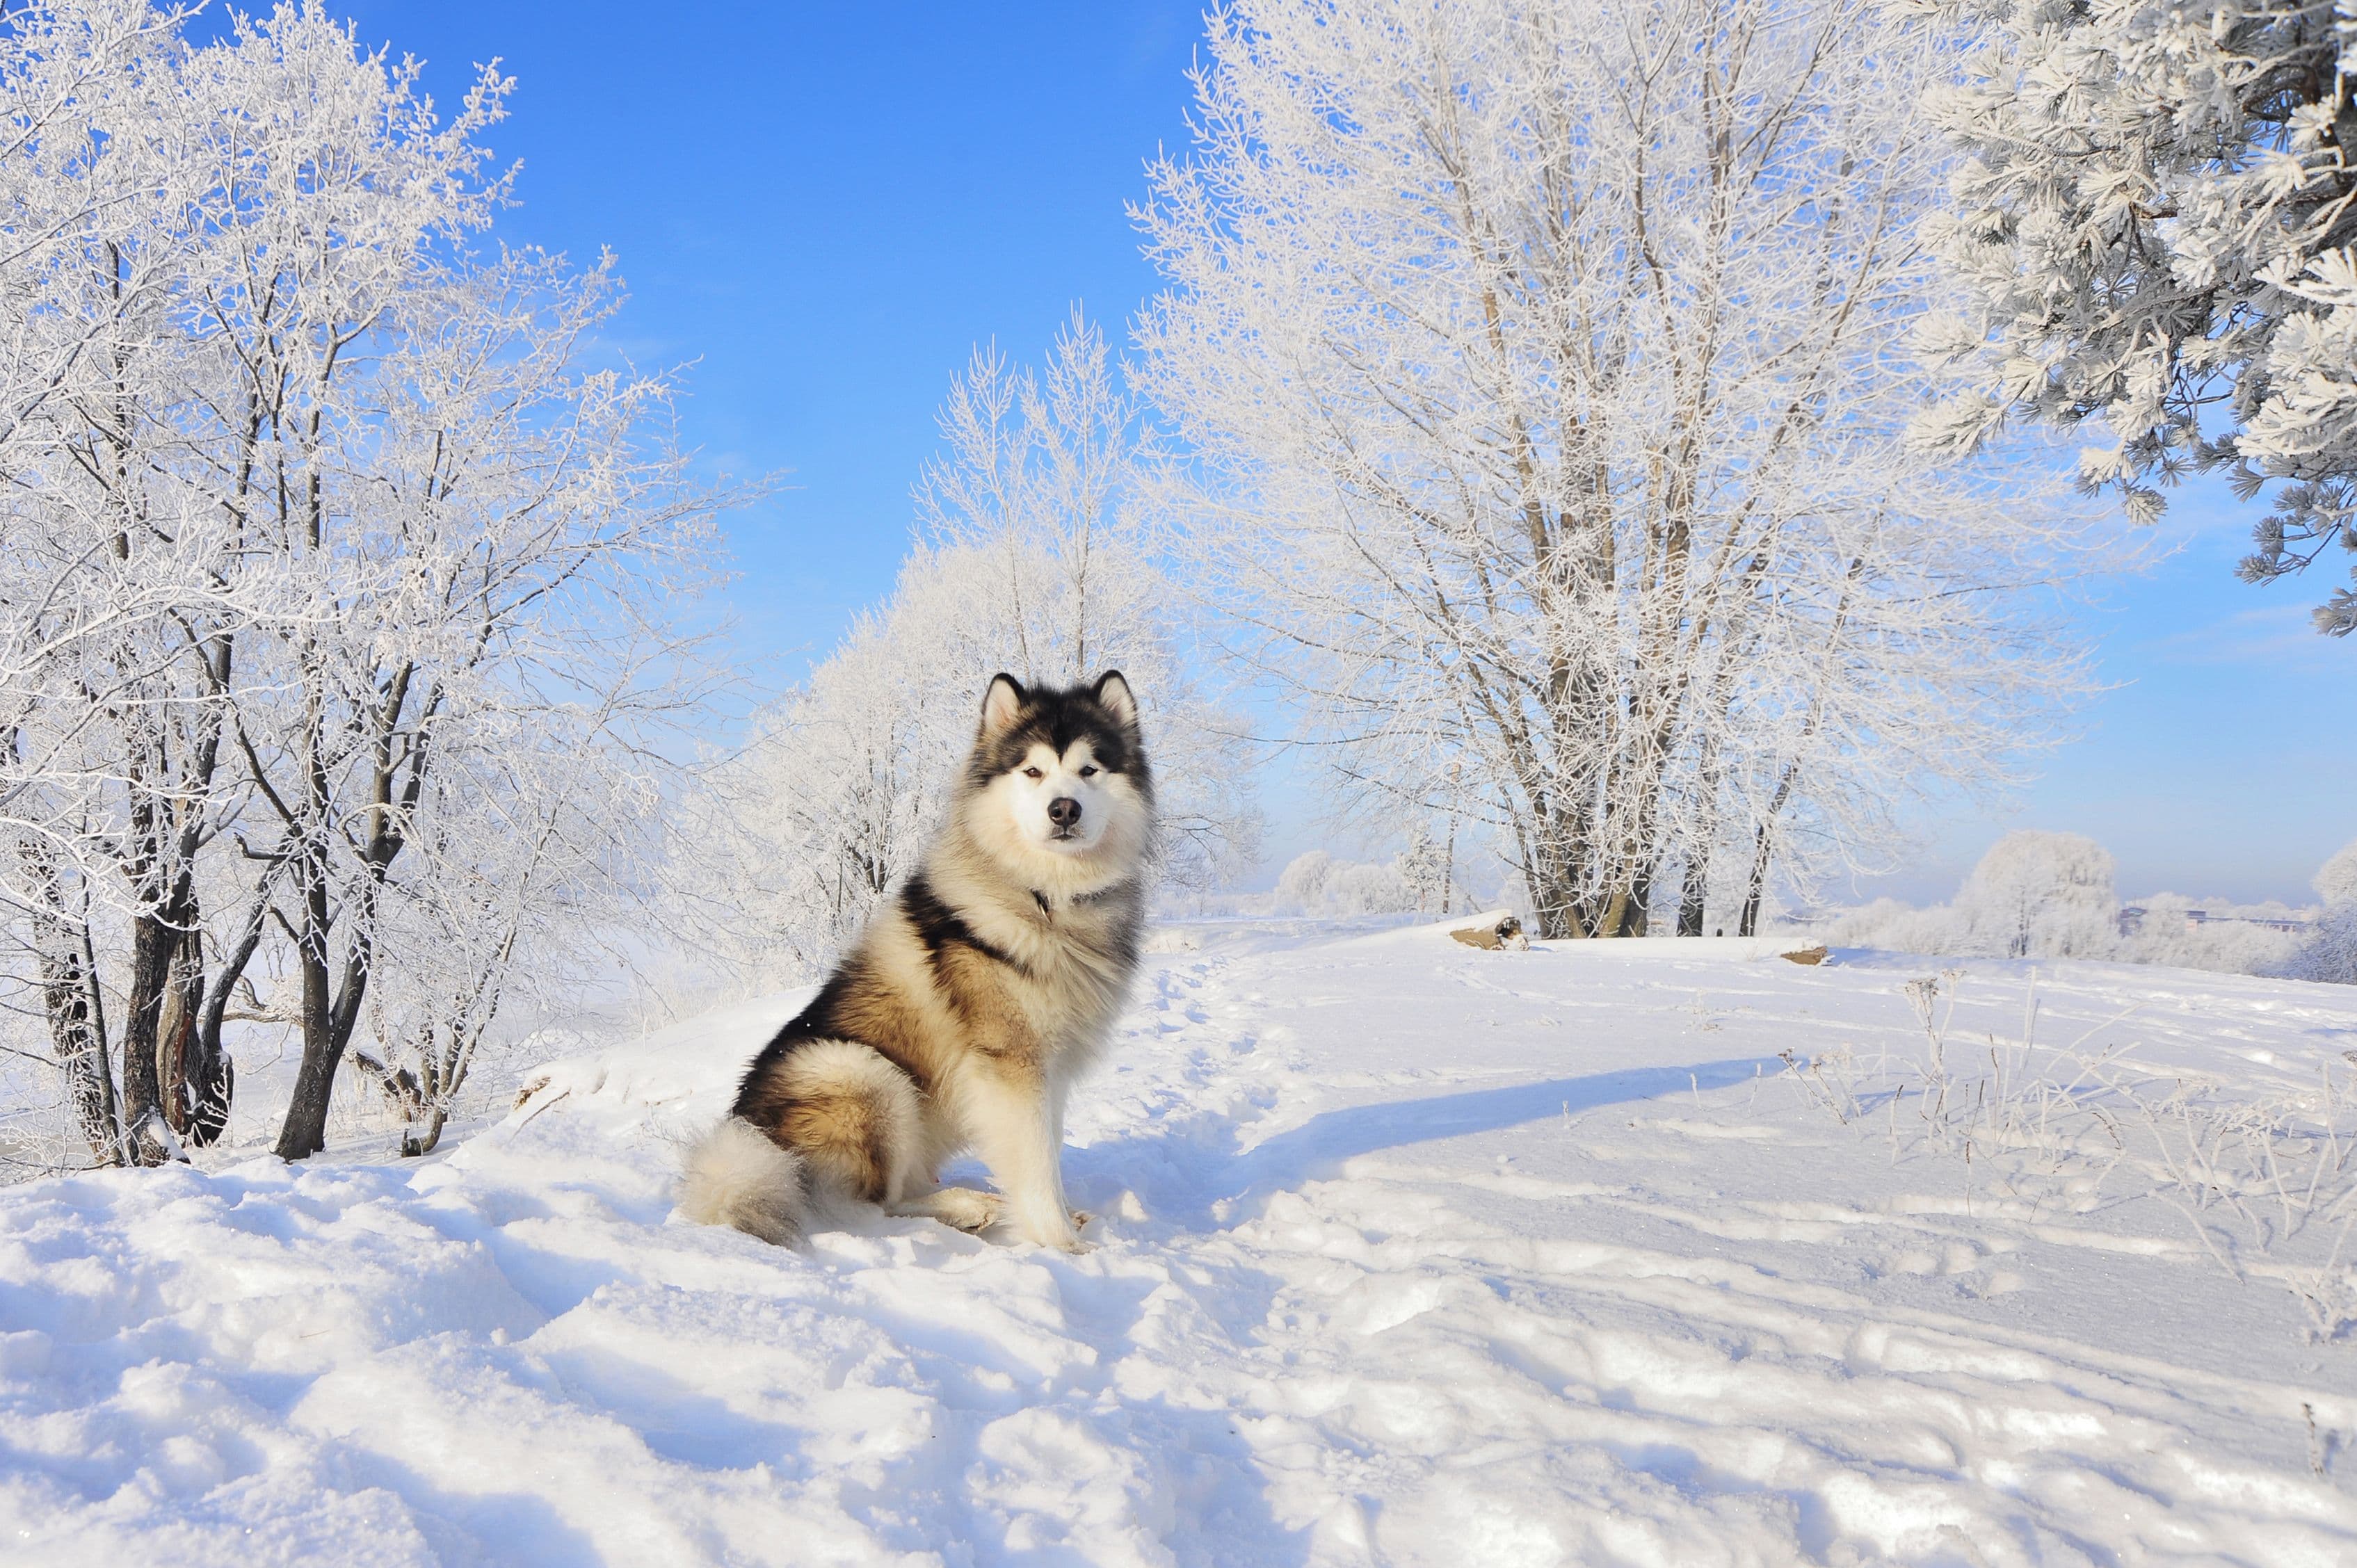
x=737, y=1176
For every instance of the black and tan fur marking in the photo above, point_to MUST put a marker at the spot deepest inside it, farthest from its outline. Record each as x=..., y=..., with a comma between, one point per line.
x=978, y=992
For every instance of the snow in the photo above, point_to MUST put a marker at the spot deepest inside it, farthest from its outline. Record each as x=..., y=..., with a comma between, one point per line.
x=1405, y=1252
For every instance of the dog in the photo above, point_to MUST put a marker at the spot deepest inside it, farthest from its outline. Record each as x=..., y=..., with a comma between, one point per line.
x=975, y=997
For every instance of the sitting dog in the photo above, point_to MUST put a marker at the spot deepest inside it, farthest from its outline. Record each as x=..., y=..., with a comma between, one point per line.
x=976, y=994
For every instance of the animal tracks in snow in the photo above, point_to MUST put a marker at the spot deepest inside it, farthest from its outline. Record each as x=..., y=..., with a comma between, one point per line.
x=1406, y=1254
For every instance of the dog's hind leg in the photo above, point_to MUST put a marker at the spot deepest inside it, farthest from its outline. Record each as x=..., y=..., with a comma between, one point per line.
x=853, y=1117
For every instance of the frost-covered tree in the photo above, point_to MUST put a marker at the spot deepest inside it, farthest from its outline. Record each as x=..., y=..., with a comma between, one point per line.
x=1025, y=563
x=1301, y=885
x=2208, y=933
x=103, y=713
x=1427, y=867
x=1315, y=883
x=2336, y=879
x=2157, y=215
x=2041, y=895
x=2329, y=950
x=316, y=512
x=1543, y=379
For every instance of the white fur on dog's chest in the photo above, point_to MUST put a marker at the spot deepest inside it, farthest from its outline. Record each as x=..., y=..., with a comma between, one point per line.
x=1072, y=986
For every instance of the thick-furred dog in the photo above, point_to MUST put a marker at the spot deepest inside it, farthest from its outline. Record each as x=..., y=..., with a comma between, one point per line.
x=961, y=1017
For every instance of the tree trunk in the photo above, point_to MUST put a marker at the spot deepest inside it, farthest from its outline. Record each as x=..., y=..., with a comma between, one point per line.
x=1749, y=927
x=305, y=1130
x=1620, y=914
x=420, y=1140
x=1694, y=902
x=196, y=1079
x=77, y=1030
x=1692, y=896
x=154, y=942
x=212, y=1118
x=1551, y=877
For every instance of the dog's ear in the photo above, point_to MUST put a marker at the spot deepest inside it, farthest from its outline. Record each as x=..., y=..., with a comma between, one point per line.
x=1114, y=694
x=1001, y=702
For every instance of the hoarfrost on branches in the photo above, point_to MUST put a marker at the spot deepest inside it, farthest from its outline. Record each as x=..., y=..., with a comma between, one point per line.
x=322, y=540
x=2328, y=953
x=1542, y=376
x=1315, y=883
x=2336, y=879
x=2041, y=895
x=2156, y=217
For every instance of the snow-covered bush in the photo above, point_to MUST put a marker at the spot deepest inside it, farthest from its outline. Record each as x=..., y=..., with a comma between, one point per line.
x=2336, y=879
x=1896, y=927
x=1301, y=885
x=2208, y=933
x=1315, y=883
x=1429, y=869
x=2032, y=894
x=2040, y=895
x=2037, y=895
x=2329, y=951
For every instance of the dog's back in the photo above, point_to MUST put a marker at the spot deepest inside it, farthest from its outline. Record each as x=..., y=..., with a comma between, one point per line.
x=976, y=994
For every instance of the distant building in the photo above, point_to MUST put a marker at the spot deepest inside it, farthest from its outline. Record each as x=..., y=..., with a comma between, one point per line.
x=2194, y=918
x=2132, y=918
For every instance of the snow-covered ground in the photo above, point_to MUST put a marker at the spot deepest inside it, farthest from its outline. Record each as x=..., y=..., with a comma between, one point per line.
x=1406, y=1253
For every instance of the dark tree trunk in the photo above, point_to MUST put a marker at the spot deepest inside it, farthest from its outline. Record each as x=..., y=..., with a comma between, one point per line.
x=197, y=1079
x=1758, y=889
x=305, y=1130
x=1614, y=914
x=77, y=1029
x=210, y=1118
x=1554, y=903
x=1694, y=895
x=155, y=943
x=331, y=1010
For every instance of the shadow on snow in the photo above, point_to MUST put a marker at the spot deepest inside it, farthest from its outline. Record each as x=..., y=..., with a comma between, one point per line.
x=1191, y=1175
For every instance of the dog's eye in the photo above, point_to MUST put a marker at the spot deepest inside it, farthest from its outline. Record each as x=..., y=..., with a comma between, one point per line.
x=1088, y=772
x=1031, y=773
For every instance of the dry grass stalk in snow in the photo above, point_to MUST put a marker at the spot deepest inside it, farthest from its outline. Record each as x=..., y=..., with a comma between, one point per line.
x=2265, y=1183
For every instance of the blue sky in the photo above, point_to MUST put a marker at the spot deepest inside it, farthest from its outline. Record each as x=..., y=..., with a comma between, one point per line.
x=826, y=207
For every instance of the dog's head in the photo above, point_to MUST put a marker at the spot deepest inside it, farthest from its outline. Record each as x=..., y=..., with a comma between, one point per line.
x=1057, y=787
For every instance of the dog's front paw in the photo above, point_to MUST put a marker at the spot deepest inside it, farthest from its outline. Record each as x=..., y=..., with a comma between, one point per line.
x=959, y=1207
x=973, y=1211
x=1064, y=1238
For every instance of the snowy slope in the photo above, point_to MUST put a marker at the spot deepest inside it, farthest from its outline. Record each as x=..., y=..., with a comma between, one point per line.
x=1406, y=1253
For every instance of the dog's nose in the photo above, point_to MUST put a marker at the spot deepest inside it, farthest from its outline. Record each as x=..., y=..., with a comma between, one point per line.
x=1063, y=810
